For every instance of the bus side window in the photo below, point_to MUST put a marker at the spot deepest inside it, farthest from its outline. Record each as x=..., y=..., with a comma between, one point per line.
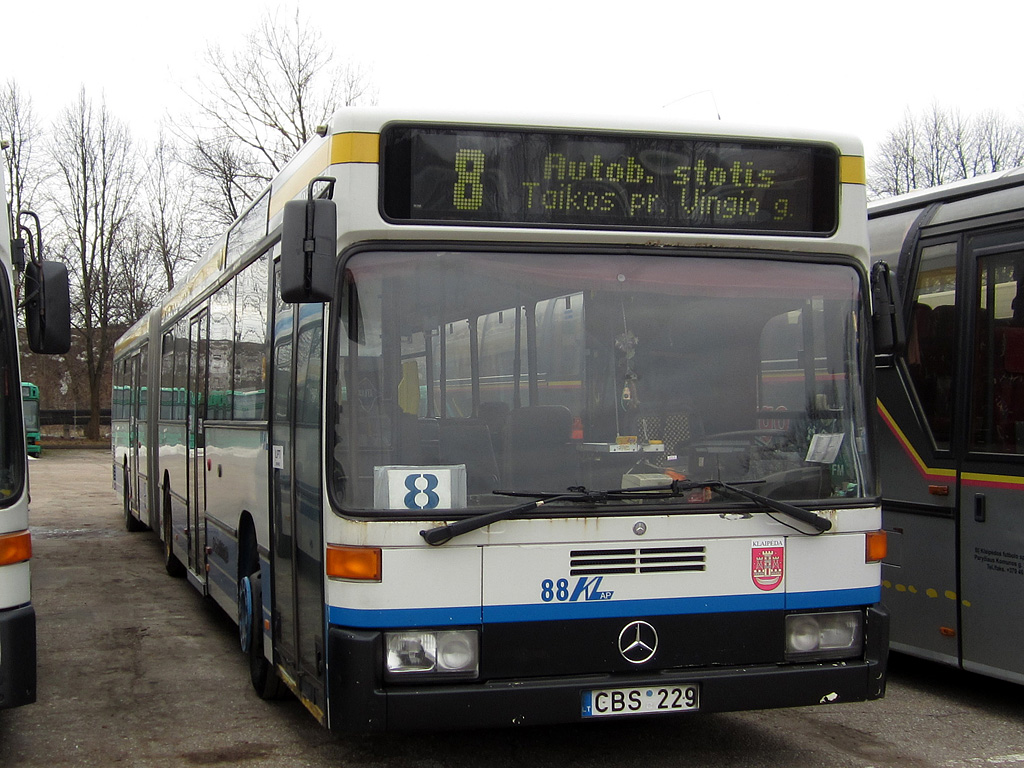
x=931, y=338
x=997, y=406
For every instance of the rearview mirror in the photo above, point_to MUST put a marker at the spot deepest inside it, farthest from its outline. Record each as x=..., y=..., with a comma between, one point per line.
x=887, y=313
x=47, y=307
x=309, y=244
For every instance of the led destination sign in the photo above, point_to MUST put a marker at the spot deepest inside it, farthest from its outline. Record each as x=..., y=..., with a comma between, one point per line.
x=542, y=178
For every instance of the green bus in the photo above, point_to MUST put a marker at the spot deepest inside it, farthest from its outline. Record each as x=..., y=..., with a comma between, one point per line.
x=30, y=404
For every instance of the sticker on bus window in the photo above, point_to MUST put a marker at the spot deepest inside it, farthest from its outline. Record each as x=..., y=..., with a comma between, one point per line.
x=419, y=488
x=825, y=447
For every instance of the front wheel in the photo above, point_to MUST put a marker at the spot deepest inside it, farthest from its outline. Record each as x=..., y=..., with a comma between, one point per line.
x=131, y=524
x=250, y=634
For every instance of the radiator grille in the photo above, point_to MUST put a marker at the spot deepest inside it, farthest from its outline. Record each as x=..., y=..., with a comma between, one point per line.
x=607, y=562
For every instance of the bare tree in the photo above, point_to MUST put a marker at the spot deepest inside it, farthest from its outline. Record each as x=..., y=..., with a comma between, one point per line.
x=19, y=131
x=94, y=160
x=999, y=143
x=139, y=273
x=894, y=171
x=260, y=104
x=170, y=233
x=941, y=145
x=229, y=176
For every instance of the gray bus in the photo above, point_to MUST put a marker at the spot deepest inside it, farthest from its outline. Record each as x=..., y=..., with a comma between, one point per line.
x=951, y=423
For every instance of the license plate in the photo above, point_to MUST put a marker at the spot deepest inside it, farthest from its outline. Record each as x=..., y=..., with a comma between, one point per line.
x=609, y=702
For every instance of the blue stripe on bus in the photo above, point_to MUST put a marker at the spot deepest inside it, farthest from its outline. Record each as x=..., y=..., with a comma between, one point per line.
x=598, y=609
x=835, y=598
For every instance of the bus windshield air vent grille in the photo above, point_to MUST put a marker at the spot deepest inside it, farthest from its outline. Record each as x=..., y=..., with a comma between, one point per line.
x=606, y=562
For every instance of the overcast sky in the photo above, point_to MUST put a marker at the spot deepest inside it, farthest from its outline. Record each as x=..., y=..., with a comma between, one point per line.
x=854, y=67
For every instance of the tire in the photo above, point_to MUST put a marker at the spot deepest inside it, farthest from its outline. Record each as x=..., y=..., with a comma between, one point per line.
x=172, y=564
x=131, y=524
x=264, y=678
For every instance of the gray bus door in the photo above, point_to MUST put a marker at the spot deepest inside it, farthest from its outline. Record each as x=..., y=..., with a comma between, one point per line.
x=133, y=379
x=991, y=483
x=297, y=533
x=198, y=336
x=137, y=425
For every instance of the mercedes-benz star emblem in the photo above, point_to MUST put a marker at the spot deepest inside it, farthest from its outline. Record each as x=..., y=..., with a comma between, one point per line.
x=637, y=642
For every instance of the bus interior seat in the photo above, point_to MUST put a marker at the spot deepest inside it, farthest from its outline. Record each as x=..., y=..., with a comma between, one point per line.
x=809, y=482
x=468, y=442
x=494, y=414
x=1008, y=385
x=417, y=441
x=675, y=429
x=539, y=449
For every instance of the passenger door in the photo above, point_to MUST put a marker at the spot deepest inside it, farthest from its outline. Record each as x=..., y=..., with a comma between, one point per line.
x=297, y=528
x=132, y=405
x=992, y=469
x=919, y=459
x=137, y=426
x=196, y=440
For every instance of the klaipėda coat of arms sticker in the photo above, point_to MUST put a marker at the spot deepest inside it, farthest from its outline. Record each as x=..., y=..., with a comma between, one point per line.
x=767, y=563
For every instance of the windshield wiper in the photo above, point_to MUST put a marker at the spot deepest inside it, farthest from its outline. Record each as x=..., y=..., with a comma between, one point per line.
x=817, y=522
x=577, y=494
x=445, y=533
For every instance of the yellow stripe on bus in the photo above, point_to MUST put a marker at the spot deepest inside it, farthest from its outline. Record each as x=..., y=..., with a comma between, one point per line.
x=851, y=170
x=355, y=148
x=904, y=441
x=977, y=478
x=341, y=148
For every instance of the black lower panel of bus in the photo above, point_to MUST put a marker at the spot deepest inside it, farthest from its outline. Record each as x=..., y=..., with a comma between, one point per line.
x=360, y=700
x=588, y=646
x=18, y=657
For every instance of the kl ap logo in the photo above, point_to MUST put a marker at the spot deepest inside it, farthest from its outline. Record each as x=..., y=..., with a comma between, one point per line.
x=767, y=563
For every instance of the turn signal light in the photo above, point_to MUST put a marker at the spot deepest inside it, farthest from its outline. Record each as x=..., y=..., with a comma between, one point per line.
x=358, y=563
x=876, y=547
x=15, y=548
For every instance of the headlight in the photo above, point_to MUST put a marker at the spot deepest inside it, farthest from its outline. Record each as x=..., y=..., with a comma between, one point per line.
x=426, y=653
x=824, y=635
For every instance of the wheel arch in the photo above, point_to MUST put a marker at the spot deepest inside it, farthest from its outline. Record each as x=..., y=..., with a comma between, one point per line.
x=248, y=546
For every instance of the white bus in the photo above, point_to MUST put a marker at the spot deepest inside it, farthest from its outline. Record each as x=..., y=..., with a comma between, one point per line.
x=45, y=296
x=482, y=423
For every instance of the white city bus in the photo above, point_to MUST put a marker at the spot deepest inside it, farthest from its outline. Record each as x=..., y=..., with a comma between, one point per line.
x=45, y=297
x=480, y=423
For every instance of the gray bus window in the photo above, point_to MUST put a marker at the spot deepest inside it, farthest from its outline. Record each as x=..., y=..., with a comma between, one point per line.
x=997, y=405
x=931, y=338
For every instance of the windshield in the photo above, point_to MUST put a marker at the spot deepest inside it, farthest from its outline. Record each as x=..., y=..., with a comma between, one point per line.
x=12, y=436
x=31, y=415
x=459, y=373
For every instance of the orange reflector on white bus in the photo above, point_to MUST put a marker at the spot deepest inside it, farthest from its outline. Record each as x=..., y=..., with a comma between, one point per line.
x=876, y=546
x=359, y=563
x=15, y=548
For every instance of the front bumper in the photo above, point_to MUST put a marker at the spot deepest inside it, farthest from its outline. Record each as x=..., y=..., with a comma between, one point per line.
x=17, y=657
x=359, y=701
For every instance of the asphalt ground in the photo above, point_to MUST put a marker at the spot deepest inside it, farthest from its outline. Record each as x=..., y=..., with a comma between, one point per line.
x=137, y=669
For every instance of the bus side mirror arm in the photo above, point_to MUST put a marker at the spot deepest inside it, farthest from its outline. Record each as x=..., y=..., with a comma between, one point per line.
x=890, y=335
x=309, y=244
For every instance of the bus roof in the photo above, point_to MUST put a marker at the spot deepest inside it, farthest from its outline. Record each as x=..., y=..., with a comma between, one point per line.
x=947, y=193
x=353, y=133
x=372, y=119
